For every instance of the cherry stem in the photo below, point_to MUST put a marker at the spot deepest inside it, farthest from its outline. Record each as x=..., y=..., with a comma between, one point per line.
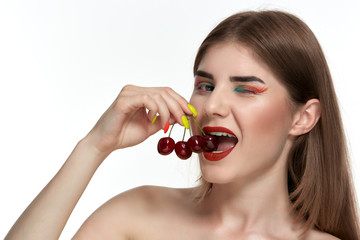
x=198, y=125
x=189, y=128
x=184, y=134
x=171, y=129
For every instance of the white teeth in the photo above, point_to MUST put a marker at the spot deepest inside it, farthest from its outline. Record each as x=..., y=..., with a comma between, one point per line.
x=219, y=134
x=217, y=151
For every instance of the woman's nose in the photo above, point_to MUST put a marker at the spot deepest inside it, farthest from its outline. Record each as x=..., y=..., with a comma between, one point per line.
x=217, y=104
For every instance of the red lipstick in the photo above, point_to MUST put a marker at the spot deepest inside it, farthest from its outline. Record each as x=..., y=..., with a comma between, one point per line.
x=217, y=129
x=217, y=156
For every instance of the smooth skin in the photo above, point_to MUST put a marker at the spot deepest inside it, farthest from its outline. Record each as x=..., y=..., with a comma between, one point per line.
x=249, y=199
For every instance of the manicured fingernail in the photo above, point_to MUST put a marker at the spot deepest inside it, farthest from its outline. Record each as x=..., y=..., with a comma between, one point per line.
x=185, y=122
x=154, y=119
x=192, y=109
x=166, y=128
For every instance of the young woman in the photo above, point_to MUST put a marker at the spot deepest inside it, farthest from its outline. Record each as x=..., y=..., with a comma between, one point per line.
x=280, y=170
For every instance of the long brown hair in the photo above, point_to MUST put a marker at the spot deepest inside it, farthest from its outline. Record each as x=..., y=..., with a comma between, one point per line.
x=319, y=177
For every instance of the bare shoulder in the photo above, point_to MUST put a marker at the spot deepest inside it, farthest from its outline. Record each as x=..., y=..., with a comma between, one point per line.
x=154, y=194
x=139, y=208
x=318, y=235
x=150, y=198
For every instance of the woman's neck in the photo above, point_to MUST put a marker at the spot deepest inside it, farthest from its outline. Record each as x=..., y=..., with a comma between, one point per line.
x=261, y=203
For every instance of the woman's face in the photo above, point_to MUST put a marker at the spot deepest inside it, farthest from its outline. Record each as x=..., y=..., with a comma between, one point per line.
x=237, y=94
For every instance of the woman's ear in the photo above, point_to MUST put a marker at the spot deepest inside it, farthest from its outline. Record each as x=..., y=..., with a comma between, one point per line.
x=306, y=117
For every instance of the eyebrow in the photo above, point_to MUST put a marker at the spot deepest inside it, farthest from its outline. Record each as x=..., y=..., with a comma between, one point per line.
x=204, y=74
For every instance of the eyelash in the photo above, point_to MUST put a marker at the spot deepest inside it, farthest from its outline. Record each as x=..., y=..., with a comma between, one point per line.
x=240, y=89
x=201, y=86
x=250, y=89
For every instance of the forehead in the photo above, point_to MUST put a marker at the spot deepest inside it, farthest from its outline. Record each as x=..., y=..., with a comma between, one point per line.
x=232, y=59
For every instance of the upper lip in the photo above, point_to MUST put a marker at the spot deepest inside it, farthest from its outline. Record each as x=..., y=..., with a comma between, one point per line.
x=216, y=129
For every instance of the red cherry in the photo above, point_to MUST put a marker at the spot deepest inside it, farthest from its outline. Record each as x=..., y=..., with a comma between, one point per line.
x=182, y=150
x=196, y=144
x=211, y=143
x=166, y=145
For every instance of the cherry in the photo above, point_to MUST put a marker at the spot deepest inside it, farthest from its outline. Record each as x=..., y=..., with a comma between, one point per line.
x=182, y=150
x=166, y=145
x=196, y=144
x=211, y=143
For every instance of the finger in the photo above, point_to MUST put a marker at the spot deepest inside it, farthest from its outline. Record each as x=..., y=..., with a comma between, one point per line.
x=163, y=101
x=181, y=100
x=132, y=100
x=129, y=104
x=162, y=109
x=156, y=111
x=174, y=107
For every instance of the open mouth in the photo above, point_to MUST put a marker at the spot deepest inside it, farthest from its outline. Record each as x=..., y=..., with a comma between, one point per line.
x=226, y=142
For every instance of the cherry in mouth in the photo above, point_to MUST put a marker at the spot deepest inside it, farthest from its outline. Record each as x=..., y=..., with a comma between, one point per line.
x=211, y=143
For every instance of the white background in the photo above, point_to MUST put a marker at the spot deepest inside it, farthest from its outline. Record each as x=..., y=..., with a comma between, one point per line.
x=62, y=63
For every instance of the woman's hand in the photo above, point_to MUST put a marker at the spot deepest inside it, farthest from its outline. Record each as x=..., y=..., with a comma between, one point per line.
x=127, y=121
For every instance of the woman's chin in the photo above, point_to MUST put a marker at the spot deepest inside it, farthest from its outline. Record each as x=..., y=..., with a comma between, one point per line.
x=215, y=178
x=216, y=172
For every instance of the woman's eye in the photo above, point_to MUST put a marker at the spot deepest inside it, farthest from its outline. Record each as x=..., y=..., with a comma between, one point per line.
x=243, y=89
x=250, y=89
x=206, y=87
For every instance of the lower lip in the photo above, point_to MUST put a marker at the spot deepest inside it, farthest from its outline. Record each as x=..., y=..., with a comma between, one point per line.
x=210, y=156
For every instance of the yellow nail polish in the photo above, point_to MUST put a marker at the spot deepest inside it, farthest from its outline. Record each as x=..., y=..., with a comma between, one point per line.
x=154, y=119
x=185, y=122
x=192, y=109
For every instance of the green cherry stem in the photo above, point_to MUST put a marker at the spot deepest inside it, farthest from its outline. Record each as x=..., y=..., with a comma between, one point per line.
x=189, y=127
x=184, y=134
x=198, y=125
x=171, y=129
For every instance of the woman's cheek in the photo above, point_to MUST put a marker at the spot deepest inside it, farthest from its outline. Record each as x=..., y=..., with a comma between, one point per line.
x=272, y=119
